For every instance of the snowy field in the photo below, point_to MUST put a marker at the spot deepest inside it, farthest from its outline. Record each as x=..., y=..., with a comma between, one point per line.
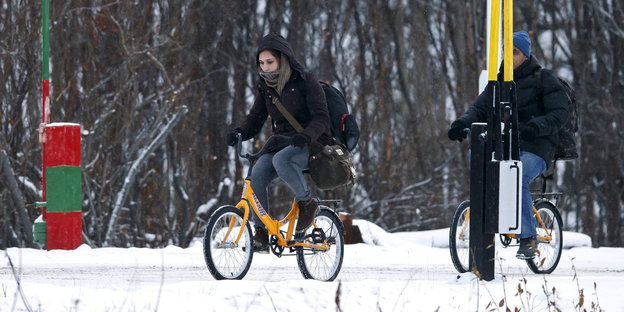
x=391, y=272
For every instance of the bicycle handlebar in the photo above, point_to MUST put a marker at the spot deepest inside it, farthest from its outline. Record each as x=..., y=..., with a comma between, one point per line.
x=251, y=157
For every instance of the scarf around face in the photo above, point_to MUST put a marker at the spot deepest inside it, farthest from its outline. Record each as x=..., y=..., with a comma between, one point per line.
x=277, y=79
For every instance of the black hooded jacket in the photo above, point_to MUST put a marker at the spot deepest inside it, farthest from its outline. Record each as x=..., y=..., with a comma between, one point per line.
x=302, y=96
x=546, y=108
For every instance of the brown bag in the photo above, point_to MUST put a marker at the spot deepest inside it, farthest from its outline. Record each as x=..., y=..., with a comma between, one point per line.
x=332, y=167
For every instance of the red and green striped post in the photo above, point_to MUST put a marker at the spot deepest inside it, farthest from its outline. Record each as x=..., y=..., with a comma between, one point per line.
x=61, y=160
x=60, y=226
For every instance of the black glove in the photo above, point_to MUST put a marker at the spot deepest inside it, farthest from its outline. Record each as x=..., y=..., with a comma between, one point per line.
x=276, y=143
x=456, y=132
x=232, y=139
x=528, y=132
x=300, y=140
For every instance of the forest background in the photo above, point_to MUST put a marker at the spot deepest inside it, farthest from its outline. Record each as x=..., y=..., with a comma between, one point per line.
x=157, y=84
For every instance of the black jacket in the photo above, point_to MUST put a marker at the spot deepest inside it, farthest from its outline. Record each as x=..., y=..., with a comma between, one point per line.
x=302, y=96
x=545, y=107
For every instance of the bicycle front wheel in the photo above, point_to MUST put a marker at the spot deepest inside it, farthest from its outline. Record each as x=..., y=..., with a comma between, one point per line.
x=323, y=264
x=549, y=240
x=225, y=257
x=459, y=238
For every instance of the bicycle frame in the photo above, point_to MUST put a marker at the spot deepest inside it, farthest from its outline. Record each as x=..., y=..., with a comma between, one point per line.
x=540, y=238
x=249, y=201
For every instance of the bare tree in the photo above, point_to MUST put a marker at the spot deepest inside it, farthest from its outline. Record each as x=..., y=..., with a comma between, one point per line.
x=122, y=70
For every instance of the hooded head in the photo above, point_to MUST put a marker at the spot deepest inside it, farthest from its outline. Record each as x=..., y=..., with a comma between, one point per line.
x=522, y=41
x=276, y=42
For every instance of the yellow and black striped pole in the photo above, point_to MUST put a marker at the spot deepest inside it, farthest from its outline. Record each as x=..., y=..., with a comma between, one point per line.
x=486, y=155
x=495, y=16
x=511, y=148
x=508, y=40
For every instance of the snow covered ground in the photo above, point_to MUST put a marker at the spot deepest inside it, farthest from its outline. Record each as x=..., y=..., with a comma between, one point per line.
x=391, y=272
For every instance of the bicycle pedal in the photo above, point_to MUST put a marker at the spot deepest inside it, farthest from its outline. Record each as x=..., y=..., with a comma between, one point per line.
x=317, y=236
x=296, y=240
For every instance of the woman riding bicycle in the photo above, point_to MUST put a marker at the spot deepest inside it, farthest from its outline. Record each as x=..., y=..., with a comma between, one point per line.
x=540, y=116
x=283, y=79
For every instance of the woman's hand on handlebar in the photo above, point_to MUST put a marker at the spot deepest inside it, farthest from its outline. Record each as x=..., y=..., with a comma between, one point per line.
x=233, y=137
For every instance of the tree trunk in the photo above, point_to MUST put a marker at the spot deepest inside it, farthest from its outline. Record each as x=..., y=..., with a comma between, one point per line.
x=130, y=177
x=18, y=201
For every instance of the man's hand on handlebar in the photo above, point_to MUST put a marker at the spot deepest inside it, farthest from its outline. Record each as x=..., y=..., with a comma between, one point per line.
x=457, y=132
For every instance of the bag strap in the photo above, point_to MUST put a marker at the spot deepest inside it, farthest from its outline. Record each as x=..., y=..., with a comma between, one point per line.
x=293, y=122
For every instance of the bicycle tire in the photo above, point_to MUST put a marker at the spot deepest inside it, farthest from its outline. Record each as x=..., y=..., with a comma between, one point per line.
x=547, y=254
x=224, y=258
x=323, y=265
x=459, y=238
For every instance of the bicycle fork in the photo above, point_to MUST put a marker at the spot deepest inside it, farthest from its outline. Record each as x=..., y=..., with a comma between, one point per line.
x=542, y=238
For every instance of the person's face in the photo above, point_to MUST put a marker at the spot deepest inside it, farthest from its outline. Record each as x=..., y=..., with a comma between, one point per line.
x=518, y=57
x=268, y=62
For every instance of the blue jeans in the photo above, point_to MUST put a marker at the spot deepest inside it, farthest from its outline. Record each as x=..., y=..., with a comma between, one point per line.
x=532, y=166
x=288, y=164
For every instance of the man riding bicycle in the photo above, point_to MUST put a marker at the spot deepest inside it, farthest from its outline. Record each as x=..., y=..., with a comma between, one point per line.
x=542, y=111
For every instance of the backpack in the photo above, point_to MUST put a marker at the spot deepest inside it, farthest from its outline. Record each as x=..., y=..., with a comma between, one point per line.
x=344, y=127
x=566, y=148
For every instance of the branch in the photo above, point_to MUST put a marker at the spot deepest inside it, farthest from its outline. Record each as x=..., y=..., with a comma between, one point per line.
x=5, y=167
x=134, y=169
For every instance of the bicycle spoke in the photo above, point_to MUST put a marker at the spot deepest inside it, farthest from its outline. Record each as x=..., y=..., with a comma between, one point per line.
x=549, y=243
x=225, y=257
x=323, y=263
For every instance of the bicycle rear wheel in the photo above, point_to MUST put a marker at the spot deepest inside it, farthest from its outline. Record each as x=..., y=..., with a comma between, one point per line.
x=459, y=238
x=549, y=240
x=323, y=264
x=225, y=258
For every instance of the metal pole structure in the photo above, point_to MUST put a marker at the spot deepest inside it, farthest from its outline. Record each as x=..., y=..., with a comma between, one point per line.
x=481, y=245
x=60, y=224
x=492, y=173
x=511, y=138
x=483, y=144
x=45, y=88
x=45, y=65
x=39, y=226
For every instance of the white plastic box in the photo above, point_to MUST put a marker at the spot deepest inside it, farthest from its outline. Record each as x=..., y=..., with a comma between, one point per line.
x=510, y=197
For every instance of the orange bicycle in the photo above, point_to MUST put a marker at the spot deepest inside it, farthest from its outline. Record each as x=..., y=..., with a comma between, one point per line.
x=228, y=238
x=549, y=238
x=549, y=226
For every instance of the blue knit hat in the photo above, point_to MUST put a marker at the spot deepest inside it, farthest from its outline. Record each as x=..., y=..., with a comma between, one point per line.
x=521, y=41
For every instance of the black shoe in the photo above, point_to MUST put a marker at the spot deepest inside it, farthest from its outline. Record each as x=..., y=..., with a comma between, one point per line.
x=307, y=211
x=527, y=248
x=261, y=241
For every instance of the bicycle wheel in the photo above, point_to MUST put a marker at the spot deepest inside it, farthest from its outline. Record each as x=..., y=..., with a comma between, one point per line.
x=459, y=238
x=549, y=241
x=323, y=264
x=225, y=258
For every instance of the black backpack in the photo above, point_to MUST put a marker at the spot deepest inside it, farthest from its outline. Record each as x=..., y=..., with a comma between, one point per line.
x=566, y=148
x=344, y=126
